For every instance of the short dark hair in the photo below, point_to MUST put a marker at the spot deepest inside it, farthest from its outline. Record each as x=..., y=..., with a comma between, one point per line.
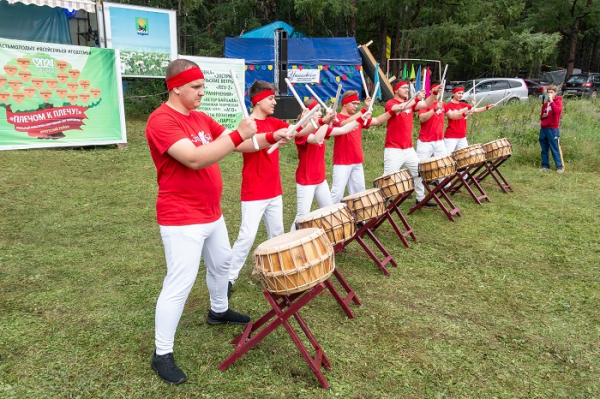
x=178, y=66
x=260, y=86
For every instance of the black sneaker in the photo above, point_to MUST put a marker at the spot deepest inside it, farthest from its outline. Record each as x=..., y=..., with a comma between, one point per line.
x=229, y=286
x=167, y=370
x=428, y=204
x=227, y=317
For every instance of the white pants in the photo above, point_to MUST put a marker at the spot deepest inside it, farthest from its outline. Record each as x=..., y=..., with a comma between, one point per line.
x=184, y=246
x=352, y=176
x=271, y=212
x=396, y=158
x=455, y=144
x=305, y=195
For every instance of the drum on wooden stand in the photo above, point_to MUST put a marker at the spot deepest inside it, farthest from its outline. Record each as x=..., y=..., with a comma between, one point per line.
x=435, y=168
x=497, y=148
x=336, y=220
x=295, y=261
x=471, y=155
x=366, y=205
x=394, y=184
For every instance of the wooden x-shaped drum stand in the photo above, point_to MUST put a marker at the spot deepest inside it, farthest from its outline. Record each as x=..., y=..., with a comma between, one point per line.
x=491, y=168
x=393, y=207
x=466, y=178
x=438, y=194
x=283, y=308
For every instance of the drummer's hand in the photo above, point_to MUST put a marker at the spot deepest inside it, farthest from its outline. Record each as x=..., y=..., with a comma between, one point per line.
x=421, y=95
x=473, y=103
x=247, y=128
x=366, y=115
x=281, y=134
x=491, y=106
x=398, y=107
x=368, y=102
x=328, y=118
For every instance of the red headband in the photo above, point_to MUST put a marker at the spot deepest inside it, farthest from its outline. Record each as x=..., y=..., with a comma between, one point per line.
x=457, y=89
x=312, y=105
x=433, y=86
x=400, y=84
x=262, y=95
x=350, y=99
x=187, y=76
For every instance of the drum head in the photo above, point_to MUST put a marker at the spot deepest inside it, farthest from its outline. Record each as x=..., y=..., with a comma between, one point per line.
x=285, y=240
x=360, y=194
x=326, y=210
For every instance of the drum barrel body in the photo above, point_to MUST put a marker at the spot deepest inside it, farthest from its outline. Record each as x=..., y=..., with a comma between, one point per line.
x=295, y=261
x=366, y=204
x=393, y=184
x=336, y=220
x=437, y=168
x=497, y=148
x=471, y=155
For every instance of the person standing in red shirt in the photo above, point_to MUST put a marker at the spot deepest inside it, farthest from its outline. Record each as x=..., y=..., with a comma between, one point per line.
x=399, y=149
x=186, y=146
x=261, y=180
x=549, y=132
x=455, y=137
x=431, y=135
x=310, y=175
x=347, y=148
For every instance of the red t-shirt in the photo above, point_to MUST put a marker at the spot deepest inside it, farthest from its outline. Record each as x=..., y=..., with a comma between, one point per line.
x=399, y=127
x=311, y=162
x=347, y=148
x=260, y=173
x=185, y=196
x=433, y=128
x=457, y=128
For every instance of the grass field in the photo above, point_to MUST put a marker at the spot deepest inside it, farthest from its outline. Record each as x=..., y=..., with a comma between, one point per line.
x=502, y=303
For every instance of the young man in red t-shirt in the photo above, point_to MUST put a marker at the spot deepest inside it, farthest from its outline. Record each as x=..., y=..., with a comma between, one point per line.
x=399, y=149
x=431, y=135
x=261, y=180
x=455, y=137
x=347, y=148
x=186, y=146
x=549, y=132
x=310, y=175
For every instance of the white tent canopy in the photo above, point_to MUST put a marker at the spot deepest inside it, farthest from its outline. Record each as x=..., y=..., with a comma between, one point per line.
x=86, y=5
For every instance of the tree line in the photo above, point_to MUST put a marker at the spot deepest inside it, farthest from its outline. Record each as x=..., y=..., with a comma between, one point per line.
x=475, y=37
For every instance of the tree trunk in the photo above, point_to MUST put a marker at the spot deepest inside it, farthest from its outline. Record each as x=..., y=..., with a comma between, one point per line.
x=573, y=37
x=352, y=27
x=382, y=44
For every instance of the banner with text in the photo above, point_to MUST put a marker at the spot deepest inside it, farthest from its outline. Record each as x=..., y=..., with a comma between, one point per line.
x=220, y=99
x=54, y=95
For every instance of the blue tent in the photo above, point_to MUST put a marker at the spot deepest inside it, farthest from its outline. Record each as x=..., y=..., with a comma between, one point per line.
x=334, y=60
x=267, y=31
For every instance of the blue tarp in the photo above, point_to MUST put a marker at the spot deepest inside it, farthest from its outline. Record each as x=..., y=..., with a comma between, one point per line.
x=268, y=31
x=34, y=23
x=337, y=60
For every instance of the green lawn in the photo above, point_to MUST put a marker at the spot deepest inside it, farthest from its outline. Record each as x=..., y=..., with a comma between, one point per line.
x=502, y=303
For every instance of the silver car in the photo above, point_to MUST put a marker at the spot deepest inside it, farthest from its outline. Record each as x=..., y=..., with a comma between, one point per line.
x=493, y=90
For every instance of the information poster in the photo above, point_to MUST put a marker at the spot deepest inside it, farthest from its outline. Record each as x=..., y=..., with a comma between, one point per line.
x=146, y=38
x=220, y=99
x=54, y=95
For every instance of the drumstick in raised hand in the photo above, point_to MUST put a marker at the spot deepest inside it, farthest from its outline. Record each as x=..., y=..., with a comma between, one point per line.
x=287, y=81
x=335, y=104
x=372, y=98
x=318, y=99
x=364, y=83
x=292, y=129
x=242, y=104
x=502, y=100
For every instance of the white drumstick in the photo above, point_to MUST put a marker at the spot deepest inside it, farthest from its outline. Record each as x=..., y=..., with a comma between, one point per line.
x=292, y=129
x=502, y=100
x=242, y=104
x=372, y=100
x=287, y=81
x=317, y=98
x=362, y=78
x=335, y=104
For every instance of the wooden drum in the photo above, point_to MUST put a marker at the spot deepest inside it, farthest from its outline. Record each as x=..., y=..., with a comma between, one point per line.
x=336, y=220
x=497, y=148
x=393, y=184
x=366, y=205
x=471, y=155
x=436, y=168
x=295, y=261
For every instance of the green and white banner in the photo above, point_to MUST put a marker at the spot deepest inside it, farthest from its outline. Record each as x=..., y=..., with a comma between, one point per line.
x=220, y=99
x=54, y=95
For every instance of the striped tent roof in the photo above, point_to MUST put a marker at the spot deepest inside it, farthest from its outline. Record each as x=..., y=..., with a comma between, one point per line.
x=86, y=5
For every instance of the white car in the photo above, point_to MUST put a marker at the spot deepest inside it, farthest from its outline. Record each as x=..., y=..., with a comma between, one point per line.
x=492, y=90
